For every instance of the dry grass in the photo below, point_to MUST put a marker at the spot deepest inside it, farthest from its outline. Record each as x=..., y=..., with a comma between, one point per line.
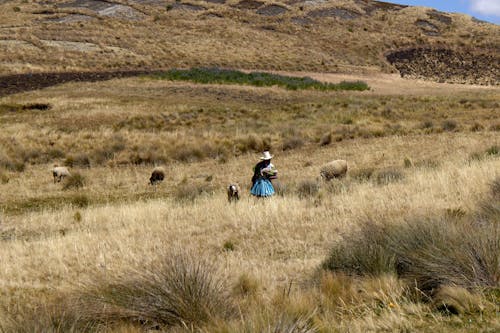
x=59, y=245
x=31, y=39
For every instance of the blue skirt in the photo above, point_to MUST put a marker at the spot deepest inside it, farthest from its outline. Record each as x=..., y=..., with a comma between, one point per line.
x=262, y=188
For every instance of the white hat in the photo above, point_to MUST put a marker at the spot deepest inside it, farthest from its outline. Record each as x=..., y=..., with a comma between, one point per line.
x=266, y=156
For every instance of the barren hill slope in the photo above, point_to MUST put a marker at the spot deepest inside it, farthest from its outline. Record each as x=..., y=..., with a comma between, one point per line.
x=350, y=36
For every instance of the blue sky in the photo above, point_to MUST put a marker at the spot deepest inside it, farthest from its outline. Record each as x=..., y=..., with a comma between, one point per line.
x=487, y=10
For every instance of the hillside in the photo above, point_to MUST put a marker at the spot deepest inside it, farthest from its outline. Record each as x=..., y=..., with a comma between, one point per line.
x=344, y=36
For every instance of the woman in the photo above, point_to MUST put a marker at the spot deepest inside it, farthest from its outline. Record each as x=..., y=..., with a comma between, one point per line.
x=263, y=172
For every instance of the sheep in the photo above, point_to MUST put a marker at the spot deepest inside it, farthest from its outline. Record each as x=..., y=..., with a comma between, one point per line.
x=233, y=192
x=157, y=176
x=334, y=169
x=59, y=173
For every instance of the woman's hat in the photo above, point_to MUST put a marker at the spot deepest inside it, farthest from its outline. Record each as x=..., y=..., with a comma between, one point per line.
x=266, y=156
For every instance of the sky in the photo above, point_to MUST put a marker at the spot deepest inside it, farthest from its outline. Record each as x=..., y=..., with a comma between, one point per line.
x=487, y=10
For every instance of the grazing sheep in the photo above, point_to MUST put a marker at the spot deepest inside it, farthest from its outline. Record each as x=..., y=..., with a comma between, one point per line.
x=334, y=169
x=157, y=175
x=59, y=173
x=233, y=192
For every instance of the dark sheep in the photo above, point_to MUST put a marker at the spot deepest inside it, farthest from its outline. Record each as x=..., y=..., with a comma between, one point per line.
x=157, y=176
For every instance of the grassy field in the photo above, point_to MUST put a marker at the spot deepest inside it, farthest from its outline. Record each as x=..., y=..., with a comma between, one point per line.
x=107, y=252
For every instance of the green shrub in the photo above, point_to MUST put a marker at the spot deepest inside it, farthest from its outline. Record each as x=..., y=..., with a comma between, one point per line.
x=228, y=246
x=259, y=79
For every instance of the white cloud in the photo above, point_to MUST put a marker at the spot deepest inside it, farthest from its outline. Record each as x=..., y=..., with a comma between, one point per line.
x=486, y=7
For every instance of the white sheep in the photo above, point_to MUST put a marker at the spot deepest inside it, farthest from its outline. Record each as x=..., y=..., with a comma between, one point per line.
x=233, y=192
x=59, y=173
x=334, y=169
x=157, y=175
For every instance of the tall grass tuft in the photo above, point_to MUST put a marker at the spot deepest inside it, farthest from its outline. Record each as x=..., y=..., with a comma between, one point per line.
x=429, y=252
x=75, y=181
x=180, y=290
x=259, y=79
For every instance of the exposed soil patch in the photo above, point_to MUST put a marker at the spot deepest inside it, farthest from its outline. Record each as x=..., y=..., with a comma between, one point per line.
x=105, y=8
x=272, y=10
x=70, y=18
x=188, y=7
x=94, y=5
x=13, y=84
x=427, y=27
x=440, y=17
x=446, y=65
x=248, y=4
x=341, y=13
x=216, y=1
x=301, y=20
x=10, y=43
x=72, y=46
x=372, y=6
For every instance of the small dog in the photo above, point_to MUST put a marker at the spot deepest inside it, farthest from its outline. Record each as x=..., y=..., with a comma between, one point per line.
x=233, y=192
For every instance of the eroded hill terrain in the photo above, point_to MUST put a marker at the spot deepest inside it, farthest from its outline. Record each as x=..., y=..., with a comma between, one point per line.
x=346, y=36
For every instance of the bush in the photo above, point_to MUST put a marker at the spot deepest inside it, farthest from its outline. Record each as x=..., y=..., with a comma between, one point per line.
x=307, y=188
x=280, y=188
x=388, y=176
x=364, y=174
x=246, y=286
x=495, y=188
x=11, y=164
x=427, y=163
x=292, y=143
x=427, y=124
x=429, y=252
x=80, y=200
x=180, y=290
x=80, y=160
x=493, y=151
x=449, y=125
x=259, y=79
x=75, y=181
x=476, y=127
x=189, y=192
x=326, y=139
x=228, y=246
